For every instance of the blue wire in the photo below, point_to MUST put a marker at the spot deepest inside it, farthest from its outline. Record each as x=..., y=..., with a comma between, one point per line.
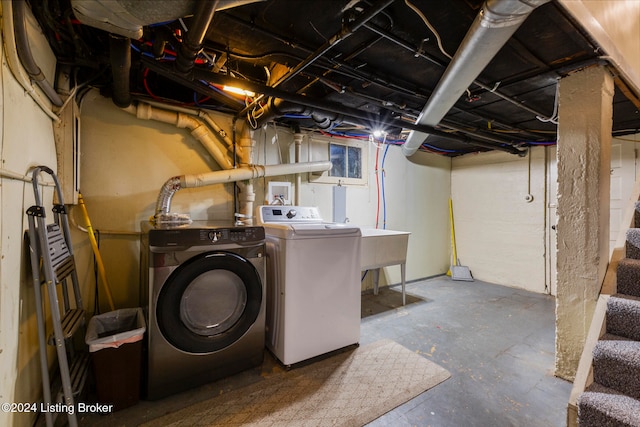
x=150, y=55
x=440, y=149
x=543, y=143
x=161, y=23
x=295, y=116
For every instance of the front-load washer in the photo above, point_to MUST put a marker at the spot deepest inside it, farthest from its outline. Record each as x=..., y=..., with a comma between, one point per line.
x=313, y=297
x=204, y=298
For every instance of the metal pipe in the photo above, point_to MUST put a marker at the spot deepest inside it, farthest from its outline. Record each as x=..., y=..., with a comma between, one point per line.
x=344, y=68
x=495, y=24
x=120, y=58
x=194, y=39
x=337, y=38
x=362, y=117
x=277, y=107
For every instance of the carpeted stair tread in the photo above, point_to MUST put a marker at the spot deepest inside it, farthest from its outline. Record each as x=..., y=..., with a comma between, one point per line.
x=636, y=215
x=628, y=277
x=600, y=406
x=612, y=337
x=623, y=316
x=616, y=365
x=633, y=243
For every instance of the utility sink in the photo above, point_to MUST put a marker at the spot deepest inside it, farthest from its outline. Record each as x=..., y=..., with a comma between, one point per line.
x=381, y=248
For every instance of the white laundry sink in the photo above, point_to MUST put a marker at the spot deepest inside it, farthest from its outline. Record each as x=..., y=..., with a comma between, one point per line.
x=380, y=248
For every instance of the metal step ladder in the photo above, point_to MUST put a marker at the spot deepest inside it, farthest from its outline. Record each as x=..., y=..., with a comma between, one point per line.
x=53, y=265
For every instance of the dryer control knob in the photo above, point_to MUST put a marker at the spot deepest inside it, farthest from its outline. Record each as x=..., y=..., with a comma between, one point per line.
x=291, y=213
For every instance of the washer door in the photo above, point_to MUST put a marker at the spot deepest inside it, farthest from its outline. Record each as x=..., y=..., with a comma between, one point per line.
x=209, y=302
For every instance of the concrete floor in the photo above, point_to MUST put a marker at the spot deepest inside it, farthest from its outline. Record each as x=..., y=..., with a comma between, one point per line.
x=497, y=342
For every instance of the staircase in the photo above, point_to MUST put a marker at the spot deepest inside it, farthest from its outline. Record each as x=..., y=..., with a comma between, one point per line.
x=612, y=393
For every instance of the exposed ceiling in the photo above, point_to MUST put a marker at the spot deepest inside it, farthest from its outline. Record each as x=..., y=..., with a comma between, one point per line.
x=343, y=67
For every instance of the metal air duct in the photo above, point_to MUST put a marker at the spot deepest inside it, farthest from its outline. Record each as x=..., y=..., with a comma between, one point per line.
x=127, y=17
x=496, y=22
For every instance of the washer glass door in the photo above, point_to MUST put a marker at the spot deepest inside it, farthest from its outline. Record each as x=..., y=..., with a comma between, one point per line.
x=213, y=302
x=209, y=302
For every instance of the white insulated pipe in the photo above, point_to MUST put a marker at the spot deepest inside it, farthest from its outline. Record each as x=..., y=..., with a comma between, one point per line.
x=297, y=139
x=244, y=147
x=251, y=172
x=233, y=175
x=244, y=150
x=198, y=129
x=496, y=22
x=246, y=196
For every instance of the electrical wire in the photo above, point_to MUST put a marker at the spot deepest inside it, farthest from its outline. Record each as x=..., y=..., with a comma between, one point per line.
x=554, y=116
x=440, y=150
x=431, y=27
x=542, y=143
x=377, y=185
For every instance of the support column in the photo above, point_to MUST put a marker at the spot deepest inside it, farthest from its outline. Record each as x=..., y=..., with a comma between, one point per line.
x=582, y=242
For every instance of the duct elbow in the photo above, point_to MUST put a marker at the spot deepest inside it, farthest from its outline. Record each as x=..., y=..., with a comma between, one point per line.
x=506, y=13
x=408, y=151
x=163, y=204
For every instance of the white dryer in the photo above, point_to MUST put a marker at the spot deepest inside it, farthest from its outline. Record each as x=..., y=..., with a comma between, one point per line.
x=313, y=293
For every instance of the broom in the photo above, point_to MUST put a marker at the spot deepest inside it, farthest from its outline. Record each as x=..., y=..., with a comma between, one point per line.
x=456, y=271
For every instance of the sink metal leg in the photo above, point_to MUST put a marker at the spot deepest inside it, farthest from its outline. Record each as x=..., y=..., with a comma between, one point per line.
x=402, y=275
x=376, y=280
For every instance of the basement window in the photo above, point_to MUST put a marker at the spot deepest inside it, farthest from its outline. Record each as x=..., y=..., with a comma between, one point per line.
x=348, y=160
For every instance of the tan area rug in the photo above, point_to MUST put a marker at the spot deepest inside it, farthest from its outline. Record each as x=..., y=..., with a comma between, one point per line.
x=348, y=389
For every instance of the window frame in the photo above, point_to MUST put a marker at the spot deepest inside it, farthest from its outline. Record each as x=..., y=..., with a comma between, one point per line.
x=349, y=144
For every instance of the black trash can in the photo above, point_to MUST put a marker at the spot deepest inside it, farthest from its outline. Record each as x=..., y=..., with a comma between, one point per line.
x=115, y=344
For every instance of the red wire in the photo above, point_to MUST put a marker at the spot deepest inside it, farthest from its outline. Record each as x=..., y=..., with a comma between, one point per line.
x=146, y=85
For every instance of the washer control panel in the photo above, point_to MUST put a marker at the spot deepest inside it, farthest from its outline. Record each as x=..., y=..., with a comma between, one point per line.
x=288, y=214
x=198, y=235
x=232, y=235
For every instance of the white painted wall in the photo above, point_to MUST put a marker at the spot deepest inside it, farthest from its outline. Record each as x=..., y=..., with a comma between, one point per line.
x=500, y=236
x=125, y=161
x=121, y=183
x=623, y=177
x=26, y=141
